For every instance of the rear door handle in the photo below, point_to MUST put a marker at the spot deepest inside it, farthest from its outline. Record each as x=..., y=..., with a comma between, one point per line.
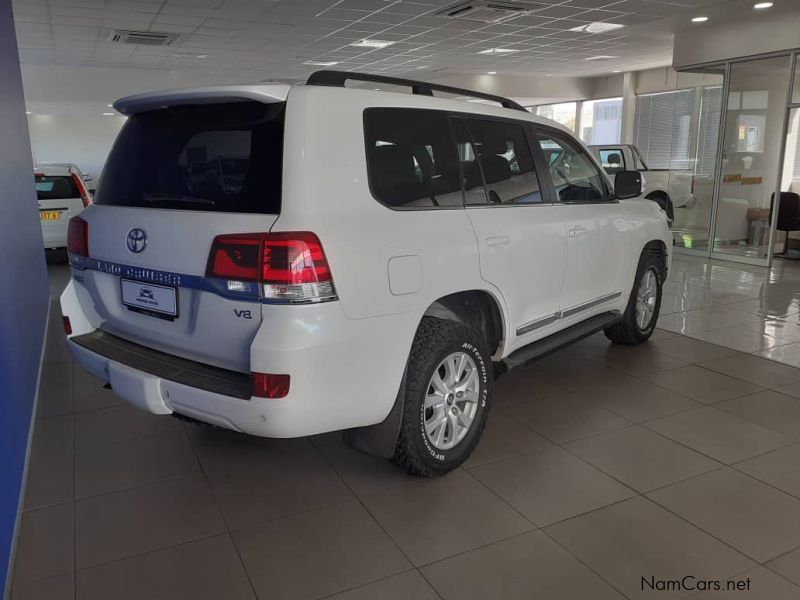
x=578, y=231
x=499, y=240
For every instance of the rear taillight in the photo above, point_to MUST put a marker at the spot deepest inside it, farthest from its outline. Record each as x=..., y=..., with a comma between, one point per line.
x=291, y=265
x=87, y=199
x=78, y=237
x=67, y=325
x=266, y=385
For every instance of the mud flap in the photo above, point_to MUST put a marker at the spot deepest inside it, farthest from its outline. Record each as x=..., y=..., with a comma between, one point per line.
x=380, y=439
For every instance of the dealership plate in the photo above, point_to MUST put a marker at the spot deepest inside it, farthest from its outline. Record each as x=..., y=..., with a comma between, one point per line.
x=150, y=298
x=49, y=215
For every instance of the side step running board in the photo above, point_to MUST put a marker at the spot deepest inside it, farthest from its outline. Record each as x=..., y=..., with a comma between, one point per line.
x=558, y=340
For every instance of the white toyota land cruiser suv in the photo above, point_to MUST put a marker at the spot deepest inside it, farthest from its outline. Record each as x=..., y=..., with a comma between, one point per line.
x=290, y=261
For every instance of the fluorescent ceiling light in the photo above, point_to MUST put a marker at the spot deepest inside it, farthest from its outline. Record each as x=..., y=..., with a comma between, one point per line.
x=761, y=5
x=27, y=112
x=108, y=114
x=184, y=55
x=699, y=19
x=319, y=63
x=601, y=57
x=491, y=73
x=616, y=71
x=498, y=51
x=372, y=44
x=598, y=27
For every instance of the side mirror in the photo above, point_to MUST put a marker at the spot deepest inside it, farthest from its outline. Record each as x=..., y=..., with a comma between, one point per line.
x=628, y=184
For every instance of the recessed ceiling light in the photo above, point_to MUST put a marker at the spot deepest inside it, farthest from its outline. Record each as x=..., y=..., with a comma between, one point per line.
x=597, y=27
x=320, y=63
x=107, y=114
x=761, y=5
x=498, y=51
x=699, y=19
x=372, y=44
x=491, y=73
x=601, y=57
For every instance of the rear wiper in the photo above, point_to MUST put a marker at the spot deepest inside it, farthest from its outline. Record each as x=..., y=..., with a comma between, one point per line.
x=161, y=197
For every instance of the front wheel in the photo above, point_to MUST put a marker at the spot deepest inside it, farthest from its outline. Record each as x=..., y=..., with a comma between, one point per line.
x=445, y=397
x=641, y=314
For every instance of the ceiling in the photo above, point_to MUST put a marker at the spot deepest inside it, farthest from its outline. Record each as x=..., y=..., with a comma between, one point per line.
x=229, y=41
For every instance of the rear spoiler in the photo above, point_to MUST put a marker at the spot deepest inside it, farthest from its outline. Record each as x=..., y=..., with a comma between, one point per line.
x=131, y=105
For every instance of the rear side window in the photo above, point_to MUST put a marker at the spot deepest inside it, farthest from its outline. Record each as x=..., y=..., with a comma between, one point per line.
x=575, y=177
x=506, y=162
x=411, y=160
x=613, y=161
x=216, y=157
x=56, y=187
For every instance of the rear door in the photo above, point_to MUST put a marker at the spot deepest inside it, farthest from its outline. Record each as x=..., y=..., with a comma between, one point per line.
x=598, y=238
x=521, y=235
x=59, y=200
x=176, y=178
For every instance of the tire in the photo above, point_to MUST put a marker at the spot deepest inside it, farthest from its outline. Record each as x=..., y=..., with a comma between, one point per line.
x=438, y=348
x=629, y=330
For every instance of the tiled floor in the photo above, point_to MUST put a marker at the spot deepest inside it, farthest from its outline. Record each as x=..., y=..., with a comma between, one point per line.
x=601, y=465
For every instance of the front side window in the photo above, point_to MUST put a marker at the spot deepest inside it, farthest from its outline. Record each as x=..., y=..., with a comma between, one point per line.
x=575, y=177
x=411, y=160
x=505, y=162
x=613, y=160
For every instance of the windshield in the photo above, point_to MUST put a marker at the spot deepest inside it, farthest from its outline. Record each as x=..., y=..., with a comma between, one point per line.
x=217, y=157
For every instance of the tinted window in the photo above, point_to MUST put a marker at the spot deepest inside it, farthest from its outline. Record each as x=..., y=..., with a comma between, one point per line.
x=217, y=157
x=613, y=161
x=56, y=187
x=575, y=177
x=505, y=161
x=411, y=159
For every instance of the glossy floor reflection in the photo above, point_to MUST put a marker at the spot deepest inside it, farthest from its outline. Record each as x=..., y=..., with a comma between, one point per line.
x=600, y=465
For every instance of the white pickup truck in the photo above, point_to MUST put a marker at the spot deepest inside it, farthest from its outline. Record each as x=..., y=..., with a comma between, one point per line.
x=670, y=189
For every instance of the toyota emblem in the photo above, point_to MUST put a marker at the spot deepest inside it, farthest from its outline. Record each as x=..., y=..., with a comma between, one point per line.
x=136, y=240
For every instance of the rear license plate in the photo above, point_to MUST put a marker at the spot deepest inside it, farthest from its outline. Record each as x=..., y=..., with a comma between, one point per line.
x=148, y=297
x=49, y=215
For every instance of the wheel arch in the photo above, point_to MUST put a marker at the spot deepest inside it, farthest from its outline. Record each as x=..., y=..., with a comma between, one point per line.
x=476, y=308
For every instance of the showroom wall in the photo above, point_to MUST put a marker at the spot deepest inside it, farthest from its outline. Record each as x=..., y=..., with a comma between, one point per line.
x=54, y=138
x=23, y=281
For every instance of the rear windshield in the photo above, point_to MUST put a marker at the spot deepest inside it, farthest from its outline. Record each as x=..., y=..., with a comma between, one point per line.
x=56, y=187
x=217, y=157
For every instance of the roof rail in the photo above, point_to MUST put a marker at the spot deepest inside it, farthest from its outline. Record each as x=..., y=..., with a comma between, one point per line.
x=338, y=79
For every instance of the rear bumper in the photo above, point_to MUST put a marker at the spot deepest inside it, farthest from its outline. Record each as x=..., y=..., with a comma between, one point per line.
x=55, y=236
x=338, y=380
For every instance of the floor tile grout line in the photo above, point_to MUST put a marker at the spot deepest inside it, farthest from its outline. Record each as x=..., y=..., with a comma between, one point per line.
x=184, y=428
x=374, y=519
x=698, y=527
x=584, y=563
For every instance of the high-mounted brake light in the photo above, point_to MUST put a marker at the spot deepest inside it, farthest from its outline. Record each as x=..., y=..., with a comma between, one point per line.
x=67, y=325
x=87, y=199
x=266, y=385
x=78, y=237
x=291, y=265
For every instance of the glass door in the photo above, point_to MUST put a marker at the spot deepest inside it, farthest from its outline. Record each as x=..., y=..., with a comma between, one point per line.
x=751, y=149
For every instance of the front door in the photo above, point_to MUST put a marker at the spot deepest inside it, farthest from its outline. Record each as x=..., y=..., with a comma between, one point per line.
x=521, y=235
